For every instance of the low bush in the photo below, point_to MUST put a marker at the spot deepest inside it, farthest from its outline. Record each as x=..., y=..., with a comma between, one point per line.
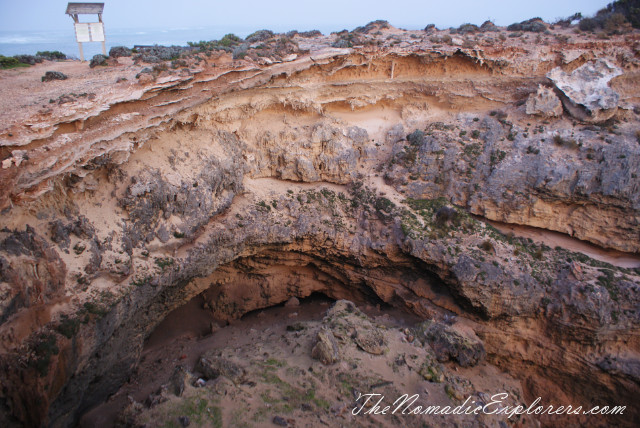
x=51, y=55
x=10, y=62
x=259, y=36
x=467, y=29
x=533, y=25
x=615, y=18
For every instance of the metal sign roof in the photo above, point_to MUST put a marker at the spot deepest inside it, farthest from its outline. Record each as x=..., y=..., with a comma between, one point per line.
x=84, y=8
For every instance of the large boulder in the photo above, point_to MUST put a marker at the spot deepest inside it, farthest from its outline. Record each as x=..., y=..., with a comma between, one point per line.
x=98, y=60
x=212, y=366
x=119, y=51
x=452, y=343
x=326, y=349
x=544, y=103
x=585, y=92
x=53, y=75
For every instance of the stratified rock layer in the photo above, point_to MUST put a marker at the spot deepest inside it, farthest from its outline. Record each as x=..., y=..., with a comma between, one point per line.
x=349, y=172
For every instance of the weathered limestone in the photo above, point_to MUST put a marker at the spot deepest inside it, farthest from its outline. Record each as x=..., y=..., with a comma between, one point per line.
x=586, y=91
x=544, y=103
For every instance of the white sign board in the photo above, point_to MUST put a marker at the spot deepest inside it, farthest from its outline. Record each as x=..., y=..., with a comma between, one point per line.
x=82, y=33
x=89, y=32
x=97, y=31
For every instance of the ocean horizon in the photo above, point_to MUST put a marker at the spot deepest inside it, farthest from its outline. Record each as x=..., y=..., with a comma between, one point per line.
x=30, y=42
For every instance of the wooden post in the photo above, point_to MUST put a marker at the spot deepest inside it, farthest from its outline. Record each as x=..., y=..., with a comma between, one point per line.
x=104, y=47
x=76, y=20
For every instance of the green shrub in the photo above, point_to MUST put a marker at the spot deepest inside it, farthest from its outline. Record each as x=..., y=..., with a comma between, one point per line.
x=230, y=40
x=614, y=18
x=535, y=25
x=467, y=29
x=588, y=24
x=259, y=36
x=565, y=142
x=629, y=9
x=51, y=55
x=487, y=246
x=447, y=214
x=46, y=347
x=68, y=327
x=10, y=62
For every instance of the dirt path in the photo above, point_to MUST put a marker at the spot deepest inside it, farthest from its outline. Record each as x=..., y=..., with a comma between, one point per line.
x=557, y=239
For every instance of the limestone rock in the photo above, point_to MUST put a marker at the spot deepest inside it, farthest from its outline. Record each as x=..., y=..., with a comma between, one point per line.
x=178, y=380
x=326, y=348
x=53, y=75
x=98, y=60
x=576, y=271
x=585, y=91
x=145, y=78
x=212, y=366
x=544, y=103
x=371, y=341
x=451, y=343
x=292, y=302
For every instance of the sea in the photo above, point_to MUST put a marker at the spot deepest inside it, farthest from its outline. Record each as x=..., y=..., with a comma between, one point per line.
x=30, y=42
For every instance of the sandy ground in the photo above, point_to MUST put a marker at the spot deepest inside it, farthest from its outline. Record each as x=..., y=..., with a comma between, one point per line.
x=281, y=379
x=186, y=333
x=25, y=98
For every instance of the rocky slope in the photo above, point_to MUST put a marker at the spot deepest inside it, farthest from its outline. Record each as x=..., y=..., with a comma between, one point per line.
x=362, y=173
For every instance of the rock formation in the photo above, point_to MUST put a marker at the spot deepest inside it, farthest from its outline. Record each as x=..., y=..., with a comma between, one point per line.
x=586, y=92
x=544, y=103
x=366, y=174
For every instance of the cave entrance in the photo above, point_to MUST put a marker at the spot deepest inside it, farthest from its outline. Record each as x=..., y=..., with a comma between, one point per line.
x=248, y=288
x=254, y=294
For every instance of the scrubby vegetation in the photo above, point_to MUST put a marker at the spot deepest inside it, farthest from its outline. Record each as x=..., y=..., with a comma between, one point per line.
x=27, y=60
x=373, y=26
x=616, y=18
x=226, y=43
x=262, y=43
x=259, y=36
x=10, y=62
x=533, y=25
x=51, y=55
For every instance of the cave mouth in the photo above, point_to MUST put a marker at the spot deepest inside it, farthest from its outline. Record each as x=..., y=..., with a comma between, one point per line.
x=190, y=330
x=252, y=293
x=194, y=320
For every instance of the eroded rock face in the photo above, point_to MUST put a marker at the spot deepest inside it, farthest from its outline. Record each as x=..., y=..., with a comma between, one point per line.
x=544, y=103
x=450, y=343
x=586, y=91
x=250, y=185
x=499, y=173
x=31, y=271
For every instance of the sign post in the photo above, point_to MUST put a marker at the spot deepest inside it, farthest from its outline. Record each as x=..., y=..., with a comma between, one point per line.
x=87, y=31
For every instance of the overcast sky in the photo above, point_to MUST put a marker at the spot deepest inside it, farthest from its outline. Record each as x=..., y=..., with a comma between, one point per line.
x=290, y=14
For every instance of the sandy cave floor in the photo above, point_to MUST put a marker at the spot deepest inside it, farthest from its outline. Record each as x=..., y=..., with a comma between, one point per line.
x=186, y=334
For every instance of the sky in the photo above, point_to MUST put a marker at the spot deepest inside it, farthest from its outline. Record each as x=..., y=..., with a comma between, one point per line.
x=281, y=15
